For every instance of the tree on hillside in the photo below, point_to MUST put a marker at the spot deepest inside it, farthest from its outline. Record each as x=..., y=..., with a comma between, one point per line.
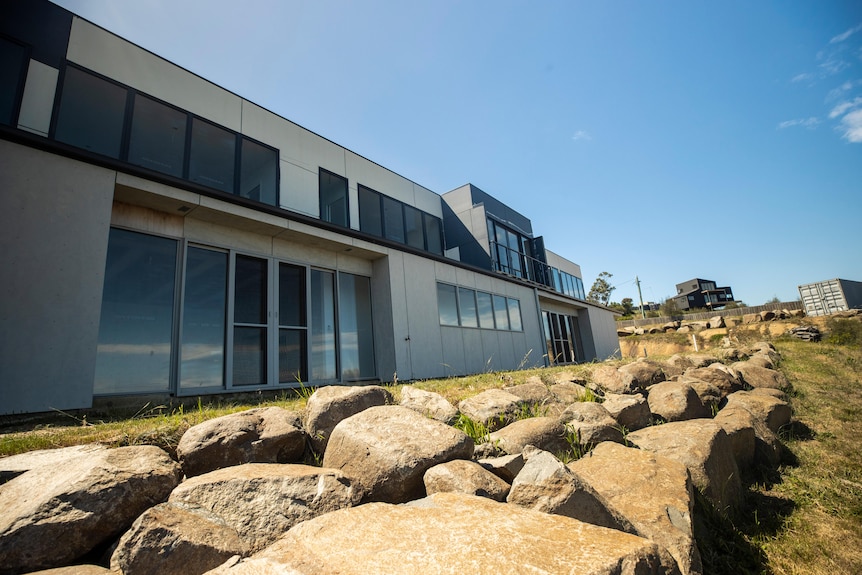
x=628, y=306
x=602, y=289
x=669, y=308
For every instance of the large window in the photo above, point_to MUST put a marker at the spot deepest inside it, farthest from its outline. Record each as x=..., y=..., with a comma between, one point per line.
x=94, y=115
x=355, y=327
x=158, y=139
x=323, y=354
x=333, y=198
x=250, y=321
x=136, y=327
x=459, y=306
x=386, y=217
x=292, y=324
x=510, y=251
x=13, y=65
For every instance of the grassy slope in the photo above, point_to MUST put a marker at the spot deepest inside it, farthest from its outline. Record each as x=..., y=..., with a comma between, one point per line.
x=805, y=518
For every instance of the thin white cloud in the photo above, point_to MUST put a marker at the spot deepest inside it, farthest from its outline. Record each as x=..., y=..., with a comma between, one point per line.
x=802, y=77
x=851, y=124
x=844, y=35
x=809, y=123
x=582, y=135
x=843, y=107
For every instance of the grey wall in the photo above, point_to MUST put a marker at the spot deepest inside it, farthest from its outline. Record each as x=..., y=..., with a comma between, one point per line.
x=54, y=219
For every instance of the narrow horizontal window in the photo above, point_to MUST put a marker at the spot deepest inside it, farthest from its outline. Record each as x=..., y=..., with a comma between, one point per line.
x=158, y=137
x=92, y=113
x=213, y=156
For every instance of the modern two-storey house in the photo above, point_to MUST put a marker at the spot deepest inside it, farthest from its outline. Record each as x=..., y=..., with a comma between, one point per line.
x=162, y=235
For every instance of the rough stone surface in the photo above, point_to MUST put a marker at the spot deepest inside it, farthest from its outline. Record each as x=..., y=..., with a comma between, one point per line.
x=388, y=449
x=428, y=403
x=590, y=423
x=543, y=432
x=569, y=392
x=756, y=376
x=630, y=411
x=82, y=502
x=468, y=477
x=546, y=485
x=493, y=408
x=612, y=380
x=710, y=396
x=329, y=405
x=450, y=533
x=263, y=500
x=76, y=570
x=739, y=425
x=15, y=465
x=725, y=379
x=675, y=401
x=506, y=467
x=172, y=539
x=653, y=493
x=262, y=435
x=772, y=411
x=645, y=372
x=534, y=393
x=704, y=448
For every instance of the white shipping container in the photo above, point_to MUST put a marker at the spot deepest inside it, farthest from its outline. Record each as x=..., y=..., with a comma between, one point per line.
x=831, y=296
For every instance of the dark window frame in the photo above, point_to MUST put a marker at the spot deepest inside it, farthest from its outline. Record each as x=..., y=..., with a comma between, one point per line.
x=18, y=92
x=128, y=116
x=320, y=172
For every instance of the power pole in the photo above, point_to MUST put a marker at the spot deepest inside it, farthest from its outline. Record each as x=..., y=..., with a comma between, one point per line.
x=641, y=297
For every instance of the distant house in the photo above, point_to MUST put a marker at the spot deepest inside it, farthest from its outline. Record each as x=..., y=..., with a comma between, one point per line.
x=699, y=293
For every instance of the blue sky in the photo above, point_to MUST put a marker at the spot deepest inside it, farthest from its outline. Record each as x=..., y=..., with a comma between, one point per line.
x=665, y=140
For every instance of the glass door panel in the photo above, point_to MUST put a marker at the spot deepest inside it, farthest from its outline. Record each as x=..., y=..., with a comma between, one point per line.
x=323, y=345
x=355, y=327
x=292, y=325
x=250, y=321
x=202, y=352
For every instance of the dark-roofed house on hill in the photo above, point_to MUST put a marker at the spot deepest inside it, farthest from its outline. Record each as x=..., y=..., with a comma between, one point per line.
x=700, y=293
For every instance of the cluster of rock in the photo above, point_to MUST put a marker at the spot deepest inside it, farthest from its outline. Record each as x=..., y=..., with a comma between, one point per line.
x=805, y=333
x=401, y=490
x=719, y=321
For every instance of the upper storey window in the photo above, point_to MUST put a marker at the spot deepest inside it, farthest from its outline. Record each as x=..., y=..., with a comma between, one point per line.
x=333, y=198
x=510, y=251
x=13, y=64
x=110, y=119
x=92, y=113
x=388, y=218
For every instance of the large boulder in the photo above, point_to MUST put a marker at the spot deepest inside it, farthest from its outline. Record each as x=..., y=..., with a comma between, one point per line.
x=546, y=484
x=331, y=404
x=54, y=514
x=262, y=435
x=493, y=408
x=568, y=392
x=630, y=411
x=506, y=467
x=645, y=372
x=543, y=432
x=611, y=379
x=756, y=376
x=428, y=403
x=675, y=401
x=739, y=425
x=15, y=465
x=772, y=411
x=588, y=423
x=388, y=449
x=724, y=378
x=462, y=476
x=704, y=448
x=263, y=500
x=175, y=539
x=76, y=570
x=532, y=392
x=654, y=493
x=448, y=533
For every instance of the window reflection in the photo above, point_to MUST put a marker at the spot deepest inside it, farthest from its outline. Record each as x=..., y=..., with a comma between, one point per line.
x=134, y=351
x=212, y=156
x=323, y=366
x=355, y=327
x=91, y=113
x=158, y=138
x=203, y=326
